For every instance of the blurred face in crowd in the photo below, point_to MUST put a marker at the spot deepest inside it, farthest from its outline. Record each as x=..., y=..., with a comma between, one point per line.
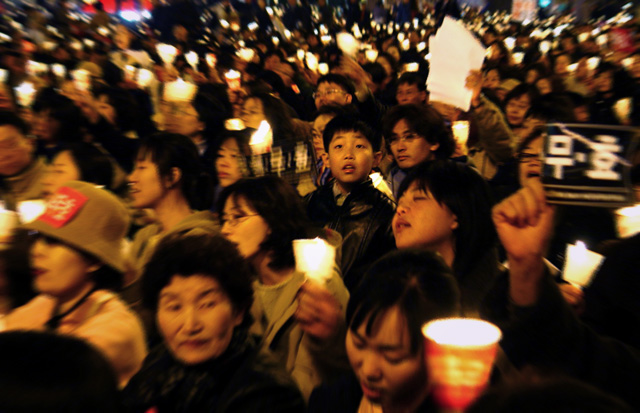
x=318, y=130
x=244, y=227
x=45, y=127
x=491, y=79
x=329, y=93
x=604, y=81
x=106, y=109
x=146, y=186
x=422, y=222
x=544, y=85
x=407, y=94
x=386, y=65
x=388, y=372
x=253, y=113
x=59, y=270
x=196, y=318
x=561, y=66
x=532, y=76
x=182, y=118
x=122, y=37
x=529, y=161
x=63, y=168
x=350, y=157
x=408, y=148
x=15, y=151
x=516, y=110
x=227, y=163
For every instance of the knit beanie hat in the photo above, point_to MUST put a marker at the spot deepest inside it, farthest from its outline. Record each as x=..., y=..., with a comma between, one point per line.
x=87, y=218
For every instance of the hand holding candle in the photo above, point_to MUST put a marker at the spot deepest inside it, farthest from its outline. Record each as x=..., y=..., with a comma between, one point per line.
x=580, y=264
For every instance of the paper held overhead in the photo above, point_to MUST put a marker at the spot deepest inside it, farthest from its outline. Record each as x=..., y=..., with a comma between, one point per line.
x=455, y=52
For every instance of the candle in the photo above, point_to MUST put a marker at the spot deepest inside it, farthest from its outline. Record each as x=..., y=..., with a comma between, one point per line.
x=582, y=37
x=572, y=68
x=144, y=78
x=233, y=78
x=300, y=54
x=323, y=68
x=411, y=67
x=421, y=46
x=287, y=34
x=593, y=62
x=81, y=78
x=211, y=60
x=628, y=221
x=622, y=108
x=312, y=61
x=179, y=91
x=192, y=59
x=246, y=54
x=261, y=139
x=348, y=44
x=460, y=130
x=517, y=57
x=129, y=72
x=459, y=354
x=4, y=75
x=76, y=45
x=224, y=24
x=510, y=42
x=59, y=70
x=166, y=52
x=315, y=258
x=580, y=264
x=406, y=44
x=25, y=94
x=234, y=124
x=8, y=222
x=544, y=47
x=401, y=37
x=371, y=55
x=602, y=40
x=627, y=63
x=30, y=210
x=89, y=43
x=276, y=40
x=325, y=39
x=103, y=31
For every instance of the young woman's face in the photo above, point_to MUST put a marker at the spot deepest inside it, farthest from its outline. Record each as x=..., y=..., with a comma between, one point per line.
x=243, y=226
x=604, y=81
x=196, y=318
x=422, y=222
x=253, y=113
x=59, y=270
x=63, y=168
x=227, y=164
x=516, y=110
x=146, y=186
x=388, y=372
x=491, y=79
x=544, y=86
x=106, y=109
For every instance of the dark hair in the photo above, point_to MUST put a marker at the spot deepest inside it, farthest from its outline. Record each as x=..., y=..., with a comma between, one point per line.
x=417, y=281
x=537, y=132
x=376, y=71
x=213, y=109
x=15, y=270
x=63, y=110
x=210, y=255
x=94, y=164
x=125, y=105
x=467, y=195
x=342, y=123
x=413, y=78
x=334, y=110
x=339, y=80
x=8, y=118
x=45, y=372
x=280, y=206
x=276, y=114
x=423, y=120
x=172, y=150
x=521, y=90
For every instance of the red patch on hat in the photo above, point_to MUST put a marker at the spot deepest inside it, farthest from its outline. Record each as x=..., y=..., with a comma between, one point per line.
x=64, y=205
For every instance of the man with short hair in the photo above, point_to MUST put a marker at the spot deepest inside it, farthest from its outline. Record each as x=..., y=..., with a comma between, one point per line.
x=411, y=89
x=20, y=171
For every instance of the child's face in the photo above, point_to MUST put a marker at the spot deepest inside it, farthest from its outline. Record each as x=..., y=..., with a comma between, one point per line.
x=351, y=157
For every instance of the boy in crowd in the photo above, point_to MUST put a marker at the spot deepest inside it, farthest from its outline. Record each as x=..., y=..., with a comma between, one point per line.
x=349, y=204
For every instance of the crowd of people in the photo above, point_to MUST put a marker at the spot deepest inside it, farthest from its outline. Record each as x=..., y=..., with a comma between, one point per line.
x=158, y=273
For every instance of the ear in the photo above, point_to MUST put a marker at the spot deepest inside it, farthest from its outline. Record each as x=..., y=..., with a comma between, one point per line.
x=238, y=317
x=349, y=98
x=454, y=222
x=94, y=267
x=435, y=147
x=377, y=157
x=325, y=160
x=173, y=178
x=201, y=126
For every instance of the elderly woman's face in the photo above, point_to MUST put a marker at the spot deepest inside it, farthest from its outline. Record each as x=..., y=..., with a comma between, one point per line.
x=196, y=318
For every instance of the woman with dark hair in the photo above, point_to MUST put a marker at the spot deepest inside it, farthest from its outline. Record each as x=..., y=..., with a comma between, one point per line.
x=414, y=134
x=168, y=179
x=265, y=107
x=517, y=105
x=79, y=161
x=230, y=163
x=262, y=217
x=445, y=207
x=77, y=264
x=401, y=292
x=199, y=288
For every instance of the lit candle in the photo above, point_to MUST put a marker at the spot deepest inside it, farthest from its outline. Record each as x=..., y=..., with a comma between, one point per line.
x=144, y=78
x=300, y=54
x=580, y=264
x=246, y=54
x=312, y=61
x=582, y=37
x=315, y=258
x=325, y=39
x=371, y=55
x=628, y=221
x=517, y=57
x=4, y=75
x=348, y=44
x=627, y=63
x=192, y=59
x=510, y=42
x=211, y=60
x=224, y=24
x=89, y=43
x=261, y=139
x=459, y=353
x=179, y=91
x=323, y=68
x=602, y=40
x=30, y=210
x=460, y=130
x=25, y=94
x=103, y=31
x=572, y=68
x=166, y=52
x=234, y=124
x=421, y=46
x=130, y=72
x=59, y=70
x=622, y=108
x=81, y=78
x=275, y=40
x=593, y=62
x=544, y=47
x=233, y=78
x=8, y=222
x=406, y=44
x=411, y=67
x=401, y=37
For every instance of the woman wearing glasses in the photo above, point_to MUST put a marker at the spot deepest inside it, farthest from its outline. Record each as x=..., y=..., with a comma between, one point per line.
x=414, y=134
x=262, y=216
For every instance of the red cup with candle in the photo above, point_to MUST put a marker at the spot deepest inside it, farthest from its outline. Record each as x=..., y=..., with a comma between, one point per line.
x=459, y=353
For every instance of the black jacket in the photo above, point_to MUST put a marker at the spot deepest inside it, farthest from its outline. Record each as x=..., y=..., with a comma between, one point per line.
x=363, y=221
x=243, y=379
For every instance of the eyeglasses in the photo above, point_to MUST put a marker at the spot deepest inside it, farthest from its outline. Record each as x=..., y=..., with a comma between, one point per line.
x=408, y=138
x=320, y=94
x=234, y=220
x=528, y=157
